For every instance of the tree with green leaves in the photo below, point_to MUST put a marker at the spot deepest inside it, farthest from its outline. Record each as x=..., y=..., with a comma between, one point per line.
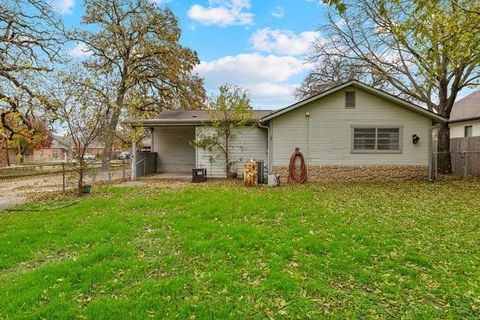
x=229, y=111
x=136, y=43
x=425, y=51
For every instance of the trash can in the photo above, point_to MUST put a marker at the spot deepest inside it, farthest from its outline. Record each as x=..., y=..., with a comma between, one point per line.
x=199, y=175
x=260, y=172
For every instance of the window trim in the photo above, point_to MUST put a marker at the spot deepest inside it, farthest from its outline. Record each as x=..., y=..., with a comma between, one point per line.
x=354, y=99
x=465, y=131
x=352, y=139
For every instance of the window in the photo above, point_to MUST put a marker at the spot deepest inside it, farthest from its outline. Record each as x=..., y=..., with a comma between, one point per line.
x=350, y=99
x=376, y=139
x=468, y=131
x=55, y=154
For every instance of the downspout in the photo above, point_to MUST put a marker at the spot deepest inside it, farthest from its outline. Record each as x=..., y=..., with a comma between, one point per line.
x=307, y=115
x=260, y=125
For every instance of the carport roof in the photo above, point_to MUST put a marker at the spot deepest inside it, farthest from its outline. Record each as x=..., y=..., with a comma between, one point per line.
x=191, y=117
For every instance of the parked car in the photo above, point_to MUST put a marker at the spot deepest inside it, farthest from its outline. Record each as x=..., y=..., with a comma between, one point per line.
x=124, y=155
x=89, y=156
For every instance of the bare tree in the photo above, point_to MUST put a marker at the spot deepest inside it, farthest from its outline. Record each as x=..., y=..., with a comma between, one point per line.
x=82, y=112
x=137, y=43
x=424, y=50
x=332, y=71
x=229, y=111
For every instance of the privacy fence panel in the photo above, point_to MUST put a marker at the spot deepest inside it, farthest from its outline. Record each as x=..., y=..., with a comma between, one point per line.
x=465, y=156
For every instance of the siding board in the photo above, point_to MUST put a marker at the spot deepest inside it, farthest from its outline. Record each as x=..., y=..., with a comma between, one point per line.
x=328, y=131
x=249, y=143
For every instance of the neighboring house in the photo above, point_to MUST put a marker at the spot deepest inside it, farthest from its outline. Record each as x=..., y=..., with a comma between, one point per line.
x=96, y=148
x=465, y=117
x=352, y=131
x=58, y=151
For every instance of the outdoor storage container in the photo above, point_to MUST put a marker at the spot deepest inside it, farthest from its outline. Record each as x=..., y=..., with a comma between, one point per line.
x=260, y=172
x=199, y=175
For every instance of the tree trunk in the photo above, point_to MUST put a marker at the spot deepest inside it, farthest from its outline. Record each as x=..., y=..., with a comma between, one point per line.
x=110, y=136
x=443, y=149
x=112, y=125
x=81, y=173
x=227, y=155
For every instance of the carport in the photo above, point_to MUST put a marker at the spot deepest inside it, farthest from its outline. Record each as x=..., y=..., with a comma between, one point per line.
x=171, y=136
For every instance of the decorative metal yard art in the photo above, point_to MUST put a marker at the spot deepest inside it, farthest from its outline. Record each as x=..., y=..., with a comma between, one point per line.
x=292, y=175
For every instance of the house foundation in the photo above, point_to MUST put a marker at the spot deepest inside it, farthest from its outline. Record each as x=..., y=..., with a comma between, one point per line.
x=359, y=173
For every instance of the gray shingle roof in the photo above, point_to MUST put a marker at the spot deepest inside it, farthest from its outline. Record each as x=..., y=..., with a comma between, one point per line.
x=189, y=116
x=466, y=108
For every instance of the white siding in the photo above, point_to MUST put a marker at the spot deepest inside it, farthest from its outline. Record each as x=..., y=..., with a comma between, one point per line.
x=249, y=143
x=457, y=130
x=172, y=144
x=325, y=137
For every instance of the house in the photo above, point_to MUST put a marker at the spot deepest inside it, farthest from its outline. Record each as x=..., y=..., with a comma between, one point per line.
x=465, y=117
x=352, y=131
x=58, y=151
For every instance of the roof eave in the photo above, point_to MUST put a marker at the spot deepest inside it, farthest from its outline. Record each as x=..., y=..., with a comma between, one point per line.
x=176, y=122
x=465, y=119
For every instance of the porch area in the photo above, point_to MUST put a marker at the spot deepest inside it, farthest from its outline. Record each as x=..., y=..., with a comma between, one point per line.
x=171, y=155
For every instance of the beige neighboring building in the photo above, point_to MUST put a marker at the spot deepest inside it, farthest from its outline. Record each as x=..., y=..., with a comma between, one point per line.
x=350, y=132
x=465, y=117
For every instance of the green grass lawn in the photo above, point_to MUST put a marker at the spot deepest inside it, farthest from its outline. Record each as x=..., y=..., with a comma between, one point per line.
x=221, y=251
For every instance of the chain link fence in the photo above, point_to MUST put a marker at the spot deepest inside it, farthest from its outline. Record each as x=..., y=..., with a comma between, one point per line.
x=20, y=183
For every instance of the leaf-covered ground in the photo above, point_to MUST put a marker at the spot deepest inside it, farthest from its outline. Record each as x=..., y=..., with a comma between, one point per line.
x=221, y=251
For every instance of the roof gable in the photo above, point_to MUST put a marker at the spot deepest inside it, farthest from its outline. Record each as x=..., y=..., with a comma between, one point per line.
x=396, y=100
x=467, y=108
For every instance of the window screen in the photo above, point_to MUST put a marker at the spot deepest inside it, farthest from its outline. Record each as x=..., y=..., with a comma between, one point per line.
x=381, y=139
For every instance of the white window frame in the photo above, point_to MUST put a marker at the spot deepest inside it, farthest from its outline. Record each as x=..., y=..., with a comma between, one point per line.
x=376, y=151
x=465, y=131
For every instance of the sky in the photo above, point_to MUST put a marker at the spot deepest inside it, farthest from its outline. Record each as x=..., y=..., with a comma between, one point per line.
x=260, y=45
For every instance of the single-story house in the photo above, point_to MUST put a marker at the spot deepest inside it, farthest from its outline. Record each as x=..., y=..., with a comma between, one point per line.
x=465, y=117
x=351, y=131
x=58, y=151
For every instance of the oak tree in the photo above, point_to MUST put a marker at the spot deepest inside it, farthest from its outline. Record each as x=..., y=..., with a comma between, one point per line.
x=136, y=43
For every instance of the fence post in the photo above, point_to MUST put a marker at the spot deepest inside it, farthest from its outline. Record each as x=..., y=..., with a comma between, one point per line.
x=464, y=164
x=123, y=169
x=63, y=177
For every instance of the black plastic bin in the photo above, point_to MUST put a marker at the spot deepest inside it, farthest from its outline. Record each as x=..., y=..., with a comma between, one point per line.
x=260, y=172
x=199, y=175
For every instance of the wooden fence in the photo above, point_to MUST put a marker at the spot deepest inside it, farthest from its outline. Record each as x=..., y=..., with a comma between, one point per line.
x=465, y=156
